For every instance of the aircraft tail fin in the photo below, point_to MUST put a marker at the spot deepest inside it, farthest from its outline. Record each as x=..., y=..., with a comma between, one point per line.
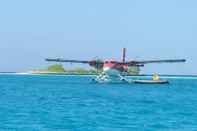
x=123, y=55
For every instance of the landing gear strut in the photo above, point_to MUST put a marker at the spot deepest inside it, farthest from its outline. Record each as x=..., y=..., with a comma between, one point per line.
x=104, y=78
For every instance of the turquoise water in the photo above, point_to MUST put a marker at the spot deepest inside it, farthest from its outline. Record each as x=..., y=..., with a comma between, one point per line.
x=72, y=103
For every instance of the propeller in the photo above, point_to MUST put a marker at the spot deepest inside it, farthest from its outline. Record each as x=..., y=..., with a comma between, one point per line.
x=97, y=63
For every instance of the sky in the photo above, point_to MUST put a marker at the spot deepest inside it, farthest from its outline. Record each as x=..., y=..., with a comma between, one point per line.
x=32, y=30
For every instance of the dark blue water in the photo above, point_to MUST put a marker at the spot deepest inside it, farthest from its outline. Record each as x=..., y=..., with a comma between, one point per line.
x=61, y=103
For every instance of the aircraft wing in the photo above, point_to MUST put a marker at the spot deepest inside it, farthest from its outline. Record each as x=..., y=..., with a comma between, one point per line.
x=155, y=61
x=67, y=61
x=98, y=64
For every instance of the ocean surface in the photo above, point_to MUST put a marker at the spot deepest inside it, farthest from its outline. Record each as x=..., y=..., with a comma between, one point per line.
x=73, y=103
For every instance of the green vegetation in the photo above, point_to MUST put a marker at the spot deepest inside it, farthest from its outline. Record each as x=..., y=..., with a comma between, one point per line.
x=134, y=70
x=81, y=71
x=56, y=68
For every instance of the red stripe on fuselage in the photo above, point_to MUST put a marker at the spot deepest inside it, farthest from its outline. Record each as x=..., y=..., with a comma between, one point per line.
x=115, y=65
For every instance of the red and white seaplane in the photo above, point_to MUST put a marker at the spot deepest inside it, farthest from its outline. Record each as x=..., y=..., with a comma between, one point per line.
x=115, y=70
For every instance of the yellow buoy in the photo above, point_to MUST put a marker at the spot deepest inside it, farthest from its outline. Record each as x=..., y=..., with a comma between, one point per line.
x=156, y=77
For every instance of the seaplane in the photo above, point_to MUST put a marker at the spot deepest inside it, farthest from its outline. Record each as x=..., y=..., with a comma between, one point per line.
x=111, y=70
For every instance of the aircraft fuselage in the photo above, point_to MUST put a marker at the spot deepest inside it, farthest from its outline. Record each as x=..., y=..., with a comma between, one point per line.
x=113, y=68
